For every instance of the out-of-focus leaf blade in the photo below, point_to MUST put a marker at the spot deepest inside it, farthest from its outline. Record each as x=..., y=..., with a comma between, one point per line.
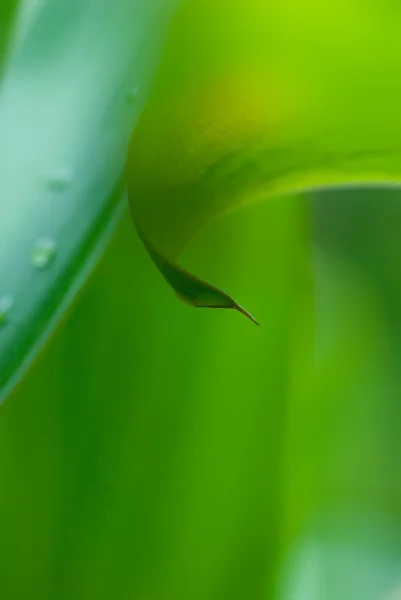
x=357, y=557
x=270, y=98
x=8, y=9
x=72, y=92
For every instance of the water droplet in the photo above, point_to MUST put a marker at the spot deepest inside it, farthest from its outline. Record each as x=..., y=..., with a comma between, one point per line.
x=133, y=95
x=6, y=304
x=43, y=253
x=59, y=180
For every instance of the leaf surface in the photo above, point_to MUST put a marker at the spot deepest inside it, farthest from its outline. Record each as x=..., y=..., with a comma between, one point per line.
x=72, y=92
x=267, y=99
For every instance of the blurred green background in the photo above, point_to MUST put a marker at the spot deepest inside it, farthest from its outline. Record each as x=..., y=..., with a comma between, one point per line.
x=157, y=451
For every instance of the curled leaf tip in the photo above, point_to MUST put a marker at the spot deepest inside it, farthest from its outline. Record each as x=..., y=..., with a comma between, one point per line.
x=246, y=314
x=188, y=287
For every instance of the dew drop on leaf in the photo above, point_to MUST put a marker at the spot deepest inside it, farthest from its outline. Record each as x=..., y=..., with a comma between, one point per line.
x=43, y=253
x=59, y=180
x=6, y=304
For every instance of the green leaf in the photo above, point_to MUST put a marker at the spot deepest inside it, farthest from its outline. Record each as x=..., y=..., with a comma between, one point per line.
x=267, y=99
x=189, y=288
x=73, y=89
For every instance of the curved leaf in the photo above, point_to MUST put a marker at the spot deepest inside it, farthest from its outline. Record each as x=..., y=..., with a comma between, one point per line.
x=66, y=112
x=270, y=98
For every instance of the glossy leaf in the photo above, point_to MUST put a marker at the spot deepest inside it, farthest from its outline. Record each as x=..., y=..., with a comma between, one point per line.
x=66, y=113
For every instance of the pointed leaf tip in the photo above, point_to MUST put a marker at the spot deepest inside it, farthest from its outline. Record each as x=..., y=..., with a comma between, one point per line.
x=188, y=287
x=246, y=314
